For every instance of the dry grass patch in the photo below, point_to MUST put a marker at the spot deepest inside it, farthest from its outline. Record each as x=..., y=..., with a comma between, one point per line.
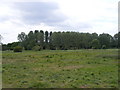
x=73, y=67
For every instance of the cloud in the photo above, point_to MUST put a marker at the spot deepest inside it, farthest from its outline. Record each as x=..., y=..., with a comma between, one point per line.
x=57, y=15
x=49, y=14
x=39, y=12
x=65, y=26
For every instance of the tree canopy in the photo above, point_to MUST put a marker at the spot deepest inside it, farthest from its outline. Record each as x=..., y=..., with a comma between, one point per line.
x=40, y=40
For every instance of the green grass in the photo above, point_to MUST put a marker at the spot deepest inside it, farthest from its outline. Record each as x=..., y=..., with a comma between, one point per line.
x=60, y=69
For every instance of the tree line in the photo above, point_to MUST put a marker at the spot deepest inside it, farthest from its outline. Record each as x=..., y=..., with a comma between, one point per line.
x=40, y=40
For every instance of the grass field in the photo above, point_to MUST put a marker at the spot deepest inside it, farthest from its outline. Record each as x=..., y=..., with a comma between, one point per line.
x=60, y=69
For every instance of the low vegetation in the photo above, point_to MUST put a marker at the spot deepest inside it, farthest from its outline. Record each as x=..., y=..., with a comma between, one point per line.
x=91, y=68
x=18, y=49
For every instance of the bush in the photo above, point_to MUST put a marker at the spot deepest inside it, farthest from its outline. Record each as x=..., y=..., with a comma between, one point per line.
x=18, y=49
x=36, y=48
x=103, y=46
x=93, y=48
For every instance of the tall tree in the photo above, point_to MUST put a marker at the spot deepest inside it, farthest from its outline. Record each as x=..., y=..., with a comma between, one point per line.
x=50, y=41
x=105, y=39
x=117, y=39
x=30, y=41
x=22, y=39
x=36, y=36
x=22, y=36
x=95, y=44
x=56, y=40
x=41, y=38
x=46, y=36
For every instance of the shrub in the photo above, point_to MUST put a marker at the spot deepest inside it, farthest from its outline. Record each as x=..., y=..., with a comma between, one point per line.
x=103, y=46
x=93, y=48
x=18, y=49
x=36, y=48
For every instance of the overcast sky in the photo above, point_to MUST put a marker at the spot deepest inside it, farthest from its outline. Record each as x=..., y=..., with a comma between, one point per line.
x=16, y=16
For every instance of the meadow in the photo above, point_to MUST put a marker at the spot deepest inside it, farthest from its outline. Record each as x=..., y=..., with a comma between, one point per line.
x=90, y=68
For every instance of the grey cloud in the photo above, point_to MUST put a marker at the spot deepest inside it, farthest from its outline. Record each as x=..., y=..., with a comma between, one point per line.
x=34, y=13
x=3, y=18
x=76, y=26
x=39, y=12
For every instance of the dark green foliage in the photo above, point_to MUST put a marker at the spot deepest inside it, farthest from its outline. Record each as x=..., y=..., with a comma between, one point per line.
x=36, y=48
x=21, y=37
x=10, y=46
x=67, y=40
x=18, y=49
x=64, y=41
x=46, y=36
x=95, y=44
x=103, y=46
x=117, y=40
x=4, y=47
x=105, y=39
